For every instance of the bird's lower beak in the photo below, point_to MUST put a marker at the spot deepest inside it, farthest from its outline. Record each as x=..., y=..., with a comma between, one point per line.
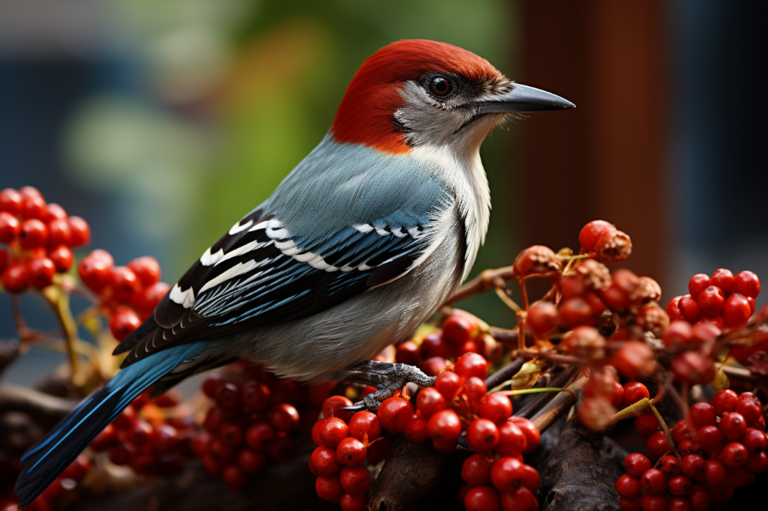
x=523, y=98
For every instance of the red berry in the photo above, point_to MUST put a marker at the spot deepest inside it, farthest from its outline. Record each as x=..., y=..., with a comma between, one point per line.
x=123, y=282
x=365, y=426
x=324, y=462
x=709, y=438
x=496, y=407
x=747, y=284
x=656, y=445
x=628, y=487
x=754, y=440
x=62, y=258
x=574, y=312
x=33, y=234
x=333, y=431
x=673, y=309
x=689, y=308
x=520, y=499
x=80, y=232
x=756, y=463
x=542, y=319
x=444, y=426
x=725, y=401
x=693, y=367
x=251, y=461
x=59, y=232
x=636, y=464
x=255, y=396
x=212, y=385
x=512, y=440
x=329, y=488
x=351, y=452
x=228, y=397
x=653, y=481
x=165, y=438
x=590, y=233
x=259, y=435
x=146, y=269
x=692, y=465
x=394, y=414
x=94, y=270
x=476, y=469
x=40, y=272
x=530, y=431
x=482, y=435
x=699, y=498
x=33, y=206
x=723, y=279
x=482, y=498
x=634, y=392
x=353, y=502
x=680, y=485
x=333, y=405
x=737, y=311
x=536, y=259
x=434, y=345
x=472, y=364
x=355, y=480
x=10, y=201
x=122, y=323
x=702, y=414
x=433, y=366
x=408, y=353
x=646, y=424
x=458, y=329
x=14, y=278
x=711, y=300
x=733, y=425
x=507, y=473
x=449, y=385
x=697, y=284
x=284, y=417
x=734, y=455
x=670, y=466
x=475, y=390
x=230, y=433
x=749, y=407
x=10, y=227
x=417, y=430
x=429, y=401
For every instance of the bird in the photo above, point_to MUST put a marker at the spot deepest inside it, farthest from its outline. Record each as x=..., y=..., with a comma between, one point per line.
x=361, y=243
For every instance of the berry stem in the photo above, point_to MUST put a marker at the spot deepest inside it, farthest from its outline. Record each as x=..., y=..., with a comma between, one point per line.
x=59, y=302
x=664, y=428
x=522, y=315
x=558, y=406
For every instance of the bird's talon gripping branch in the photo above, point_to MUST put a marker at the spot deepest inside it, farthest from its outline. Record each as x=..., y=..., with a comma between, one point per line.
x=388, y=378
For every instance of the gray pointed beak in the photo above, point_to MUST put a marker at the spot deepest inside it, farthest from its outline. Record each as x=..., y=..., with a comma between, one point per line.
x=523, y=98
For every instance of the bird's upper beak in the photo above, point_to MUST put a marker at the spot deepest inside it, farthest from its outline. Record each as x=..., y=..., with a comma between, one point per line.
x=523, y=98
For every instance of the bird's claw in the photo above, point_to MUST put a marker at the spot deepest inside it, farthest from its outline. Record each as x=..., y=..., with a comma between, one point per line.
x=387, y=378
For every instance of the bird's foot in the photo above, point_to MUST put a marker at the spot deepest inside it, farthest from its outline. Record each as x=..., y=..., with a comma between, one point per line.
x=387, y=378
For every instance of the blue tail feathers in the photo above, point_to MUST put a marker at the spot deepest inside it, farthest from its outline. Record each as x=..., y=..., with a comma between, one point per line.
x=51, y=455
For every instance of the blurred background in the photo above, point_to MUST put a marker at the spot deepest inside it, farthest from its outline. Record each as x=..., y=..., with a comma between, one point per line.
x=161, y=123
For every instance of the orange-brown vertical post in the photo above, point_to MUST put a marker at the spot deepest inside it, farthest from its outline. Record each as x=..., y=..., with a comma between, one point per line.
x=607, y=158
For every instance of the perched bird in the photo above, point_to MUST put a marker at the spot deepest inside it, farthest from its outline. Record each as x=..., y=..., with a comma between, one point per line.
x=360, y=244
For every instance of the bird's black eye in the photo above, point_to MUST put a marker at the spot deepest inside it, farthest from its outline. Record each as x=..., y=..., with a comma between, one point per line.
x=440, y=86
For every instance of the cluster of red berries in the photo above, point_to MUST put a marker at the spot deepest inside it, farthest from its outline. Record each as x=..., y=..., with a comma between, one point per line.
x=344, y=442
x=249, y=424
x=127, y=294
x=148, y=436
x=39, y=238
x=460, y=333
x=62, y=492
x=723, y=300
x=459, y=407
x=719, y=448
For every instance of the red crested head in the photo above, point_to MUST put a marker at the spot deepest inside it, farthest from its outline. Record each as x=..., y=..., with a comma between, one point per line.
x=366, y=114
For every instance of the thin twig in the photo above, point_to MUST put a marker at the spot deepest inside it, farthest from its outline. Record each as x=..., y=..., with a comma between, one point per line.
x=537, y=403
x=505, y=373
x=482, y=283
x=551, y=357
x=558, y=406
